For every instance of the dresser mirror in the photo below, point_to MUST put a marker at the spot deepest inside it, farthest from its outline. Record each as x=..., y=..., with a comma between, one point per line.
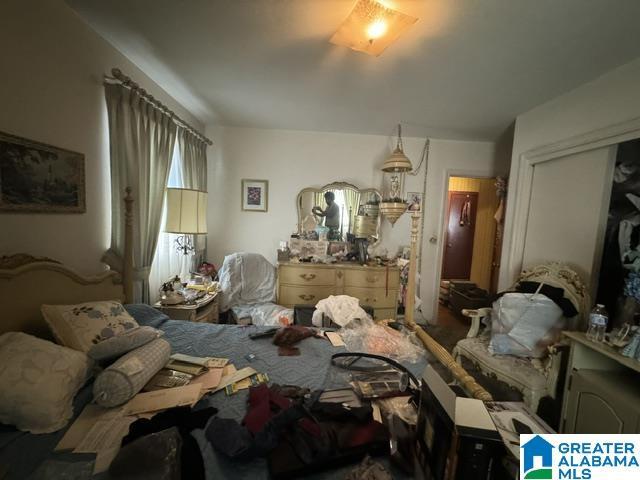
x=340, y=212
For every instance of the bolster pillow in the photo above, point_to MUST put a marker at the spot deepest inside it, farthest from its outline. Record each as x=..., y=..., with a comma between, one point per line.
x=120, y=382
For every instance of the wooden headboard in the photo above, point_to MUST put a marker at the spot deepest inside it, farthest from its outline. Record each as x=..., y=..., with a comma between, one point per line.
x=27, y=282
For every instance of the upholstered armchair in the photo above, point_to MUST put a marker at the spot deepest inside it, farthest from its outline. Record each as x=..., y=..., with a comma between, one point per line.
x=534, y=378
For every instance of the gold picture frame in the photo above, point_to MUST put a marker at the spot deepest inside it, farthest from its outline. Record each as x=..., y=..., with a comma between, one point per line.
x=40, y=178
x=254, y=195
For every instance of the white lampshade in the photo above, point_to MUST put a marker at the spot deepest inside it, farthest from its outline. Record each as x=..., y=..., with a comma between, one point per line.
x=186, y=211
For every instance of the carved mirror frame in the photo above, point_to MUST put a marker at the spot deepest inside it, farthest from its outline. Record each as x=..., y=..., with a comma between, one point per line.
x=337, y=186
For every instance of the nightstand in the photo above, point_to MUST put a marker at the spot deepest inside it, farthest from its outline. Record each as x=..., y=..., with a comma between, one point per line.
x=204, y=310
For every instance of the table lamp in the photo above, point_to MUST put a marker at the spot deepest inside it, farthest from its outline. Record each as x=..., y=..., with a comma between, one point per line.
x=186, y=216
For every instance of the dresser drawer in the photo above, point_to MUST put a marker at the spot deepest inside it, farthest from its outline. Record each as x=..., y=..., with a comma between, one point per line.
x=303, y=295
x=290, y=275
x=373, y=297
x=384, y=313
x=372, y=278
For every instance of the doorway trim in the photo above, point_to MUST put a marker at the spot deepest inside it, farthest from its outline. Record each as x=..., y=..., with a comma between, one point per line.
x=521, y=185
x=448, y=173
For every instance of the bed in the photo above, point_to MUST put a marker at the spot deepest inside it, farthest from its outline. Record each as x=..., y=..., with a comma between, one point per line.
x=27, y=282
x=24, y=452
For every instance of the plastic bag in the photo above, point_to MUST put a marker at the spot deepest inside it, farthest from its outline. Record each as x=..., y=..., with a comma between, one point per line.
x=524, y=325
x=365, y=335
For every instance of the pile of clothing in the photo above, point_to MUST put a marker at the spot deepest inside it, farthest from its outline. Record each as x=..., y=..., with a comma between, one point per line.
x=297, y=432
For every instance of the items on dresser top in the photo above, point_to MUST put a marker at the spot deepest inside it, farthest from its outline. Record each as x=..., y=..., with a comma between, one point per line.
x=307, y=284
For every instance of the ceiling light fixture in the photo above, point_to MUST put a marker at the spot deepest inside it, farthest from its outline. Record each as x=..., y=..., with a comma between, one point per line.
x=371, y=27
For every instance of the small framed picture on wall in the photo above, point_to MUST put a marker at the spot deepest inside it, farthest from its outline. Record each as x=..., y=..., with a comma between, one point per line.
x=255, y=195
x=415, y=201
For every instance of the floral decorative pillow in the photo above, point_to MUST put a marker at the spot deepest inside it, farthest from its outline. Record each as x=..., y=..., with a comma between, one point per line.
x=84, y=325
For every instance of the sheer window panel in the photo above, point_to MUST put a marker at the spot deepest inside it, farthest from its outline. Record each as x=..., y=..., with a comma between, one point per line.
x=168, y=262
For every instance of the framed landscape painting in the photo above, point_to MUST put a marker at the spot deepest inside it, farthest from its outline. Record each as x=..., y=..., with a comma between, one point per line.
x=255, y=195
x=35, y=177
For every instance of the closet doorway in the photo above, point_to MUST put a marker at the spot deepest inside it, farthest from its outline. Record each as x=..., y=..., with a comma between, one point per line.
x=471, y=245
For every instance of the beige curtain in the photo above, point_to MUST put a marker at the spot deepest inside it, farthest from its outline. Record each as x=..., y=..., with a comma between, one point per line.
x=193, y=152
x=318, y=201
x=141, y=141
x=352, y=202
x=193, y=155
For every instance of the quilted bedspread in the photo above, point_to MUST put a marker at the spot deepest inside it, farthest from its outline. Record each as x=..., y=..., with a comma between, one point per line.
x=23, y=452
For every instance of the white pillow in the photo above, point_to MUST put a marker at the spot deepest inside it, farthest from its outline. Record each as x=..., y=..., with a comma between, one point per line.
x=86, y=324
x=38, y=381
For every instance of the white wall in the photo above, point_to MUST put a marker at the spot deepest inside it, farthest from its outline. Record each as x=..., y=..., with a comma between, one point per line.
x=569, y=204
x=51, y=91
x=604, y=103
x=293, y=160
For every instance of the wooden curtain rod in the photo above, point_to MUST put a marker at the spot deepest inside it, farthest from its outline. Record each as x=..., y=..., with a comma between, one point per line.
x=127, y=82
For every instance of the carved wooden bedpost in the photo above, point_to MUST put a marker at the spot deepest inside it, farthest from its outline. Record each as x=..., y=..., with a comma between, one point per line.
x=438, y=351
x=127, y=268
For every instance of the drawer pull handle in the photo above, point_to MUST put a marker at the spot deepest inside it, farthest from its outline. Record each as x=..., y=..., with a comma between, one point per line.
x=339, y=274
x=308, y=276
x=372, y=279
x=306, y=298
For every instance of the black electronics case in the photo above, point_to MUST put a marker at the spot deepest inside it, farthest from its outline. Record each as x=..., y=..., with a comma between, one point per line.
x=457, y=439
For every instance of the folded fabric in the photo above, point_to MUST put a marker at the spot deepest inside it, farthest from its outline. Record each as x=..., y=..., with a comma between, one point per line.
x=286, y=337
x=114, y=347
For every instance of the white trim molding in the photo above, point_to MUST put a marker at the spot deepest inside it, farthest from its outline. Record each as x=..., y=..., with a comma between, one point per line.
x=521, y=182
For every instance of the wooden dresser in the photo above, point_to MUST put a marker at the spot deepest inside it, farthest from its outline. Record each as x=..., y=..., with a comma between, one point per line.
x=307, y=283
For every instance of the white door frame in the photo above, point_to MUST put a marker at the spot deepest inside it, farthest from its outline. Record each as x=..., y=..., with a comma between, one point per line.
x=521, y=182
x=448, y=173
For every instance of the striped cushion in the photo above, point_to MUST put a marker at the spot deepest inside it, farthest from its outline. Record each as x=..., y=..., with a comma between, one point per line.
x=126, y=377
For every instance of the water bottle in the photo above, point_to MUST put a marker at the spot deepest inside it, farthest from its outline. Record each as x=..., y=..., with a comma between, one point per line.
x=598, y=319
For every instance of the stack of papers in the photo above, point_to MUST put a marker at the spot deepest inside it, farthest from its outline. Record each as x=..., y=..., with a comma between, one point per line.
x=185, y=369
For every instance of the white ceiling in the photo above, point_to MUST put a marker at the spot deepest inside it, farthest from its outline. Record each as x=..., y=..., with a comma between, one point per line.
x=465, y=70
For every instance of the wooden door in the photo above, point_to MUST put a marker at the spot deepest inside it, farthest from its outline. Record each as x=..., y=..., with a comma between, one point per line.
x=461, y=226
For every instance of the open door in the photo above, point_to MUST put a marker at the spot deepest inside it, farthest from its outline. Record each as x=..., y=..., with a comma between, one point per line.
x=461, y=226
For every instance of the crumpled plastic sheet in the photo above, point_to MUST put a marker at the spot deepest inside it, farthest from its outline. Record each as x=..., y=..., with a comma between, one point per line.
x=524, y=324
x=368, y=336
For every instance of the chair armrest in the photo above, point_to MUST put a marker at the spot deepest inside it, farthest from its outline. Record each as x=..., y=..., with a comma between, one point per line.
x=476, y=316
